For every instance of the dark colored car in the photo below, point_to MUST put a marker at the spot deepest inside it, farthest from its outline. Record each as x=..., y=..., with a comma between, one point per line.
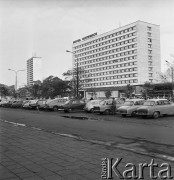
x=74, y=104
x=2, y=103
x=17, y=104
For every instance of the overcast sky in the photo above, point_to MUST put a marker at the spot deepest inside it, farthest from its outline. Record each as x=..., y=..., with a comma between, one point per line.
x=48, y=27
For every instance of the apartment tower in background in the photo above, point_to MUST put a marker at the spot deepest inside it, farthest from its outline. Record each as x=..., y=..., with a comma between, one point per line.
x=34, y=70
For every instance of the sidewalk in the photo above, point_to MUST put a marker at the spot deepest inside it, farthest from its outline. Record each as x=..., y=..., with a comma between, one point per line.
x=30, y=154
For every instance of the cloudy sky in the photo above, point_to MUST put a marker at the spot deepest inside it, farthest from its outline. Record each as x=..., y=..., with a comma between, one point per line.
x=48, y=27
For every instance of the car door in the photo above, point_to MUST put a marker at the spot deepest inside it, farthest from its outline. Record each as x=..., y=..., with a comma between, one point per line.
x=81, y=105
x=169, y=109
x=160, y=106
x=74, y=105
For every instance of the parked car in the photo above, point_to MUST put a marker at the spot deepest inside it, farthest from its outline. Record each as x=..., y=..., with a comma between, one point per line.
x=8, y=103
x=33, y=104
x=130, y=107
x=55, y=104
x=41, y=104
x=89, y=107
x=17, y=104
x=26, y=104
x=3, y=102
x=105, y=106
x=73, y=104
x=155, y=108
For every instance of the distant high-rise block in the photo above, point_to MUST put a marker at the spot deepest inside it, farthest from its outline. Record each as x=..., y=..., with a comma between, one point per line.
x=34, y=70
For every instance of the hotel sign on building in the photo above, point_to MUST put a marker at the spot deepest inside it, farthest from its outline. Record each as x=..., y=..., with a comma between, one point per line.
x=85, y=38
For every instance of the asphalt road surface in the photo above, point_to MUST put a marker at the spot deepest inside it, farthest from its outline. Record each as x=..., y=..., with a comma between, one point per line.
x=145, y=135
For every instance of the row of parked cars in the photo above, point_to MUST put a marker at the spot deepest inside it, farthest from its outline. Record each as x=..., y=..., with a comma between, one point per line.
x=130, y=107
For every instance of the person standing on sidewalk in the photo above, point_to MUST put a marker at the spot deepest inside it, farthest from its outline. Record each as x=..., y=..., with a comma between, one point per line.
x=114, y=104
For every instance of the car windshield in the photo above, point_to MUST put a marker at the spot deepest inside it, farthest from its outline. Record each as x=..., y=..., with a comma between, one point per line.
x=139, y=103
x=149, y=103
x=67, y=102
x=129, y=103
x=102, y=103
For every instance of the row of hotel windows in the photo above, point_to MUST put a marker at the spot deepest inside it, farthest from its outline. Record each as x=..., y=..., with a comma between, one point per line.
x=107, y=42
x=112, y=72
x=110, y=61
x=106, y=37
x=111, y=46
x=108, y=72
x=111, y=83
x=109, y=67
x=115, y=55
x=112, y=77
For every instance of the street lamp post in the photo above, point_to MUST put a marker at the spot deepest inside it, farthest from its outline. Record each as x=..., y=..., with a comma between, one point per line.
x=77, y=86
x=172, y=69
x=16, y=72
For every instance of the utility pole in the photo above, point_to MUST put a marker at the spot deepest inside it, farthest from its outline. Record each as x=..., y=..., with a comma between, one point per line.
x=172, y=69
x=16, y=72
x=77, y=73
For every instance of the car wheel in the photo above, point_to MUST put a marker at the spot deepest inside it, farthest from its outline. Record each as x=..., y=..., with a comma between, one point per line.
x=92, y=110
x=55, y=108
x=107, y=111
x=156, y=115
x=65, y=111
x=133, y=114
x=123, y=115
x=69, y=110
x=101, y=112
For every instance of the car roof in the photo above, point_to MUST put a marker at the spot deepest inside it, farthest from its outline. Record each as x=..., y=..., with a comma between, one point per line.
x=157, y=100
x=135, y=100
x=95, y=100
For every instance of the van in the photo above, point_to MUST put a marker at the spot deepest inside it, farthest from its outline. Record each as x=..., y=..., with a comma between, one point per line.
x=55, y=104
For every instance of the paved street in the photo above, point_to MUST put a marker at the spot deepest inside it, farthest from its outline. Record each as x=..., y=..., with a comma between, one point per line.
x=28, y=153
x=55, y=145
x=145, y=135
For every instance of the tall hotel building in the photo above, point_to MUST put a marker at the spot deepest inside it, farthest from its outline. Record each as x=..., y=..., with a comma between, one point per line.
x=126, y=55
x=34, y=70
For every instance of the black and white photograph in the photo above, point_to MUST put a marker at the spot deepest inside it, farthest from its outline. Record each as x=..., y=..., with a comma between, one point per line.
x=86, y=89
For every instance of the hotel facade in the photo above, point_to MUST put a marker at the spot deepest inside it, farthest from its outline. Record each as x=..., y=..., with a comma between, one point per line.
x=126, y=55
x=34, y=70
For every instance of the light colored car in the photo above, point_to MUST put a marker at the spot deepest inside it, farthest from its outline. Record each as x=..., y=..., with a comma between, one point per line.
x=33, y=103
x=89, y=107
x=105, y=106
x=41, y=104
x=30, y=104
x=26, y=104
x=130, y=107
x=55, y=104
x=156, y=108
